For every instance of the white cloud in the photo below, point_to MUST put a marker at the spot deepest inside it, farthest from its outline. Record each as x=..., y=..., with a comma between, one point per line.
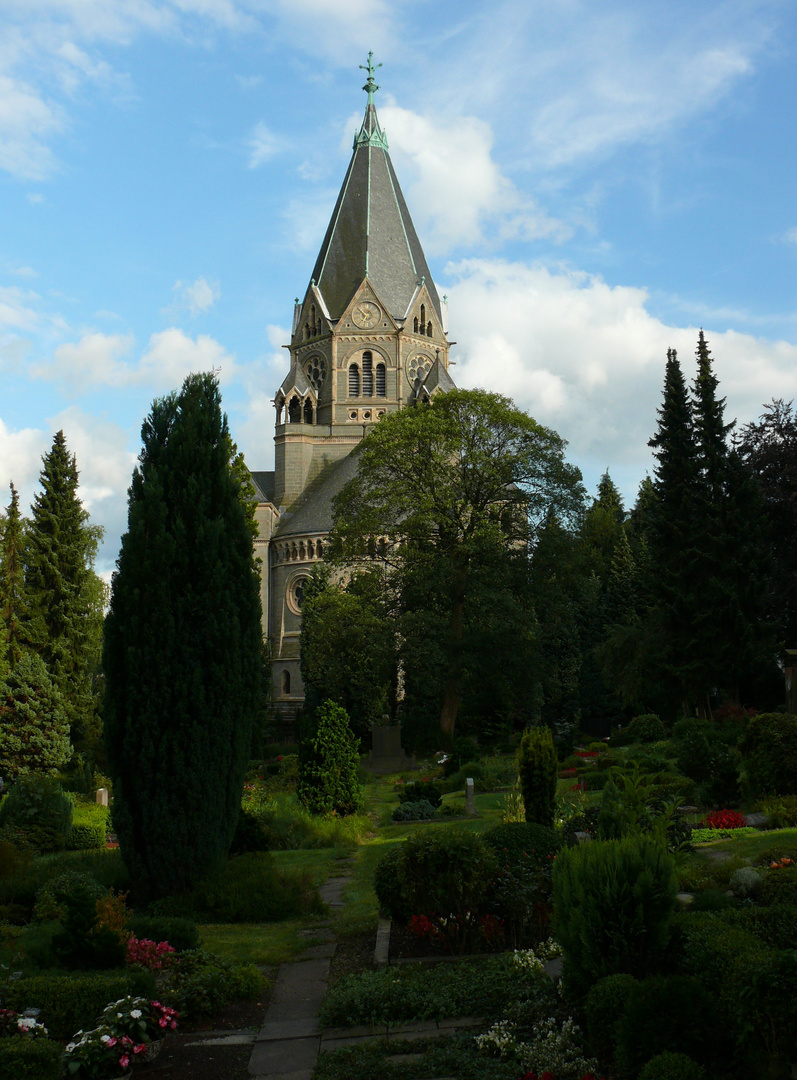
x=460, y=194
x=17, y=311
x=20, y=461
x=101, y=360
x=172, y=355
x=587, y=358
x=790, y=236
x=26, y=122
x=263, y=145
x=200, y=296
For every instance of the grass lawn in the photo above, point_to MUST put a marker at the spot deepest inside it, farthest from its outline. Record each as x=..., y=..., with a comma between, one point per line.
x=265, y=944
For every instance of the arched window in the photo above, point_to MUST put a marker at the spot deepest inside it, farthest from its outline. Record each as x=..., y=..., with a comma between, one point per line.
x=354, y=381
x=368, y=375
x=308, y=411
x=380, y=380
x=295, y=411
x=428, y=329
x=415, y=324
x=313, y=326
x=286, y=683
x=423, y=317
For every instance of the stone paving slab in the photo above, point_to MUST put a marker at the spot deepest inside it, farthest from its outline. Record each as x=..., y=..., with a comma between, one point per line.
x=233, y=1038
x=283, y=1012
x=332, y=891
x=284, y=1058
x=287, y=1029
x=318, y=952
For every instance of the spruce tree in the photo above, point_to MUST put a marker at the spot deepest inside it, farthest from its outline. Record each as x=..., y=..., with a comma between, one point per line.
x=13, y=598
x=34, y=732
x=60, y=551
x=182, y=647
x=675, y=565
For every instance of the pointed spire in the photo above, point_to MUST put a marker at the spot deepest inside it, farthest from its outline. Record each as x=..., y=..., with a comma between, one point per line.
x=370, y=133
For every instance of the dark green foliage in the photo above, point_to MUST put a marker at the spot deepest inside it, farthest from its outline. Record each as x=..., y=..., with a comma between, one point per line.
x=769, y=448
x=612, y=905
x=706, y=752
x=14, y=606
x=37, y=805
x=34, y=729
x=421, y=810
x=328, y=763
x=420, y=789
x=463, y=750
x=667, y=1014
x=72, y=1001
x=81, y=944
x=251, y=834
x=540, y=843
x=182, y=934
x=454, y=489
x=251, y=889
x=182, y=647
x=52, y=897
x=604, y=1009
x=646, y=729
x=348, y=650
x=63, y=591
x=23, y=1058
x=388, y=878
x=672, y=1065
x=204, y=983
x=89, y=828
x=754, y=986
x=484, y=987
x=769, y=755
x=444, y=873
x=537, y=768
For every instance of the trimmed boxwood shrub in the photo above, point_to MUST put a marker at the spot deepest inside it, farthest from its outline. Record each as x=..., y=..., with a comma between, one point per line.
x=23, y=1058
x=672, y=1066
x=37, y=806
x=676, y=1013
x=612, y=905
x=604, y=1009
x=518, y=838
x=89, y=828
x=388, y=885
x=74, y=1001
x=647, y=728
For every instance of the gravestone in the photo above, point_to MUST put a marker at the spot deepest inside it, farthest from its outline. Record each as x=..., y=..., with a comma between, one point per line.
x=102, y=796
x=387, y=755
x=470, y=797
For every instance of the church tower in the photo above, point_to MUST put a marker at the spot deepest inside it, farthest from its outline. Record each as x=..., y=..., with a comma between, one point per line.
x=369, y=337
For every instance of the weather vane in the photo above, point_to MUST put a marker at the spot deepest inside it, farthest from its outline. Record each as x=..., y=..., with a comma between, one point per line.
x=370, y=86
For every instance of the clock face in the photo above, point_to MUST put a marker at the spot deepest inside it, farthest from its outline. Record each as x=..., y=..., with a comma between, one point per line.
x=366, y=315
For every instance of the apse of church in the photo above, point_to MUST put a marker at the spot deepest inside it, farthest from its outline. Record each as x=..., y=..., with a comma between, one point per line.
x=370, y=336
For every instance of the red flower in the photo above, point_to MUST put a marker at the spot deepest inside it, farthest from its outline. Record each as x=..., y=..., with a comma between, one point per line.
x=724, y=819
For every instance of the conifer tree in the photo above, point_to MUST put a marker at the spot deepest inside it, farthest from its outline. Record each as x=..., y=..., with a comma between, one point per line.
x=60, y=551
x=34, y=732
x=182, y=652
x=675, y=580
x=13, y=599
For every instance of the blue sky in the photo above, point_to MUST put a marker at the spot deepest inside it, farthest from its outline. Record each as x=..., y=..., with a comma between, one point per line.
x=591, y=182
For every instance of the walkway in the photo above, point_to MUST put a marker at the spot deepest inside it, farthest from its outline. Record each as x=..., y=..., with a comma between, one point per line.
x=287, y=1045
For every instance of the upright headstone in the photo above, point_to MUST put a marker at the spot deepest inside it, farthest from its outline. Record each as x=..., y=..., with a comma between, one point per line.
x=470, y=797
x=102, y=796
x=387, y=755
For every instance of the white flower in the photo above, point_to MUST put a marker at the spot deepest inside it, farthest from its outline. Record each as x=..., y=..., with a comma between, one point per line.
x=70, y=1047
x=136, y=1014
x=105, y=1038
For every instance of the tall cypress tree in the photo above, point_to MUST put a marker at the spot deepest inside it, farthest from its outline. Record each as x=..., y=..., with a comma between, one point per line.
x=60, y=551
x=182, y=647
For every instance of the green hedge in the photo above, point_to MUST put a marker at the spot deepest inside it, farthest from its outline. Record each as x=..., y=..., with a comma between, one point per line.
x=89, y=828
x=74, y=1001
x=23, y=1058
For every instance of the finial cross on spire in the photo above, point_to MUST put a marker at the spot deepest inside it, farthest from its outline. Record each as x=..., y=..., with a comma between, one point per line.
x=370, y=86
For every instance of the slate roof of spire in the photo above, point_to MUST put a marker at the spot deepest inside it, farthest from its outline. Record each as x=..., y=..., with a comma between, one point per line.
x=371, y=232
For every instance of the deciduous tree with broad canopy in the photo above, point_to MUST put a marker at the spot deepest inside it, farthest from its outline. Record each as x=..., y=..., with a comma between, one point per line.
x=182, y=647
x=441, y=483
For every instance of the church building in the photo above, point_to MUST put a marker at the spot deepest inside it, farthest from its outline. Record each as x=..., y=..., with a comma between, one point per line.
x=369, y=337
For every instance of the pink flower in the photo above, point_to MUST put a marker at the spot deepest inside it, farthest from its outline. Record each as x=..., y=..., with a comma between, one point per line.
x=124, y=1061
